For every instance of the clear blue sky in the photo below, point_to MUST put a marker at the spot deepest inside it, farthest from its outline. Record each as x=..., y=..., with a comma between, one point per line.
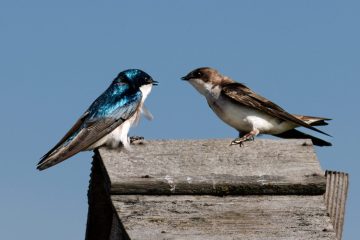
x=56, y=57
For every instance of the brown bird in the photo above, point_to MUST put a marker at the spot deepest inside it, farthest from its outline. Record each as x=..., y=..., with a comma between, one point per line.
x=249, y=113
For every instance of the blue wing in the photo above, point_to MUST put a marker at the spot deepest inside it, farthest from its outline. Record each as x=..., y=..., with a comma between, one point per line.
x=117, y=104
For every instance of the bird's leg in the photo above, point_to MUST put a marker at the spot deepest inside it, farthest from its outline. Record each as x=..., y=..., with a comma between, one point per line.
x=240, y=136
x=135, y=138
x=245, y=137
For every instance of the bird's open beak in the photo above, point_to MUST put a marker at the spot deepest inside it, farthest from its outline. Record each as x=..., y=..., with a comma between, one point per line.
x=155, y=83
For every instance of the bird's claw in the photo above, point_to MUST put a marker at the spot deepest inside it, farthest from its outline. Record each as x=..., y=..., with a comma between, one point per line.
x=135, y=139
x=240, y=141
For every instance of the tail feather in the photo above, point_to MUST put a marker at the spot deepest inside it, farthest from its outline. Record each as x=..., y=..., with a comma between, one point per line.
x=297, y=134
x=49, y=161
x=58, y=155
x=319, y=123
x=313, y=121
x=54, y=157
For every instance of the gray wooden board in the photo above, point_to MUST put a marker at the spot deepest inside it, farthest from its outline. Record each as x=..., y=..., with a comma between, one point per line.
x=215, y=168
x=180, y=217
x=335, y=198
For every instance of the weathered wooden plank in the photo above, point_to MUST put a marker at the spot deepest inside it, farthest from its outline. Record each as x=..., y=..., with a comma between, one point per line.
x=211, y=217
x=335, y=198
x=213, y=167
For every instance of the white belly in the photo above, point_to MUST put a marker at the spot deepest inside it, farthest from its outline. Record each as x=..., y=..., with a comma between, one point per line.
x=117, y=136
x=246, y=119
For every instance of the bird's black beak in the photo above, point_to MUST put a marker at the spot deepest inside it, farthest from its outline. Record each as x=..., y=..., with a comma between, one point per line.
x=155, y=83
x=186, y=78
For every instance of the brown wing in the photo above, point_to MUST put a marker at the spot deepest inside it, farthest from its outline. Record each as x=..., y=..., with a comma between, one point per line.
x=72, y=130
x=245, y=96
x=313, y=121
x=85, y=138
x=81, y=137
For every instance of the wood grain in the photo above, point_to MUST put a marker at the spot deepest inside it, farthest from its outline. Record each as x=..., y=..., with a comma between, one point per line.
x=230, y=217
x=213, y=167
x=335, y=198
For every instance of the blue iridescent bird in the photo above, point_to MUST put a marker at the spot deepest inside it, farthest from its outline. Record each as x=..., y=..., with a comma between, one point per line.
x=108, y=119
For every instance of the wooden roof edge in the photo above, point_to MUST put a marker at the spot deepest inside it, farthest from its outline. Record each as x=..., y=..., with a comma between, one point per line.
x=212, y=167
x=337, y=185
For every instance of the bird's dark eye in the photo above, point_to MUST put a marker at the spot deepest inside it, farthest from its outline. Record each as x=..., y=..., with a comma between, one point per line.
x=198, y=74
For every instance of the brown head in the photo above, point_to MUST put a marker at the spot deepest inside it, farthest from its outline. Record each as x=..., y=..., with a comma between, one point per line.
x=205, y=79
x=206, y=74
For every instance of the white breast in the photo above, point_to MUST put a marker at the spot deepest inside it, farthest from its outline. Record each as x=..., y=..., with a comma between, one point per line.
x=145, y=90
x=246, y=119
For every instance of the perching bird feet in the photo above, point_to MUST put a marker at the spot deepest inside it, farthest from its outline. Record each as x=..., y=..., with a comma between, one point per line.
x=134, y=139
x=241, y=140
x=244, y=138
